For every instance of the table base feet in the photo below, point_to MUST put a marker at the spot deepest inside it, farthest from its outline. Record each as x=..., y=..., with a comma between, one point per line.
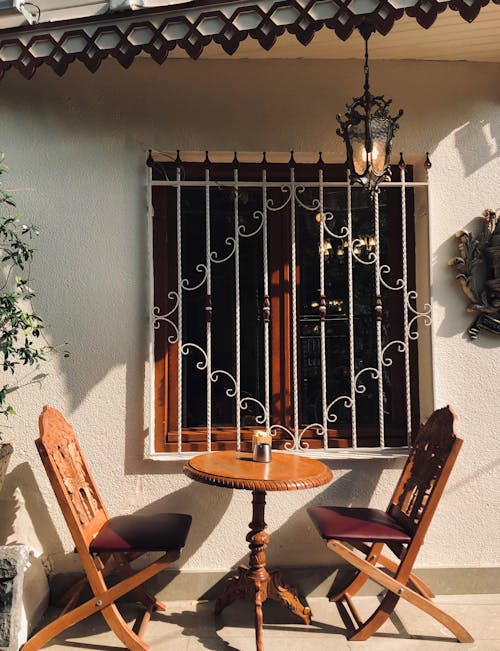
x=287, y=596
x=237, y=587
x=244, y=585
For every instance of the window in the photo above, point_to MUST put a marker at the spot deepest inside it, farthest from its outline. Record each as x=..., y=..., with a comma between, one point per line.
x=283, y=300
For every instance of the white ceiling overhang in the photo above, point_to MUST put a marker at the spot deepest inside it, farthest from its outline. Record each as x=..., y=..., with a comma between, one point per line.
x=123, y=29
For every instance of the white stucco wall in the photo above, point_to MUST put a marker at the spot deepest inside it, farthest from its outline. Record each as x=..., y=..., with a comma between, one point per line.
x=76, y=147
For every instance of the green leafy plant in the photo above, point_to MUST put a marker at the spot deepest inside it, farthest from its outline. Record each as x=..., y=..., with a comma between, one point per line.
x=20, y=326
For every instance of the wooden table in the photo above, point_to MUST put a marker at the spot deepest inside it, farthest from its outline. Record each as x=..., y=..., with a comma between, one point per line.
x=285, y=472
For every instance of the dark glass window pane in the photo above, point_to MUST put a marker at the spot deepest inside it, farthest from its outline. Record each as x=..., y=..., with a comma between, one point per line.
x=335, y=257
x=223, y=300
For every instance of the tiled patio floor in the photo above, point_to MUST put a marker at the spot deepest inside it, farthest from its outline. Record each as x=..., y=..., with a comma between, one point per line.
x=190, y=626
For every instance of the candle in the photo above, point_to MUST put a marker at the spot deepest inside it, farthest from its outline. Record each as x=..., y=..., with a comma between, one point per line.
x=261, y=436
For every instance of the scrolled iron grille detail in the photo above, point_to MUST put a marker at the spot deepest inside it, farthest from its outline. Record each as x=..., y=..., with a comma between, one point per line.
x=365, y=377
x=158, y=32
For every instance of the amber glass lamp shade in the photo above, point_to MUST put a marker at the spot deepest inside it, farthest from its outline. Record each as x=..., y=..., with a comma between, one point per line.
x=368, y=129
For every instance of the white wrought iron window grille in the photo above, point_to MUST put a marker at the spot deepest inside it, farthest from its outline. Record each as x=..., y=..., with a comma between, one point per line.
x=282, y=299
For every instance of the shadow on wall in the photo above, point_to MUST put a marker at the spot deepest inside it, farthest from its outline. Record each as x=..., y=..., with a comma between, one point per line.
x=22, y=478
x=473, y=146
x=296, y=538
x=207, y=509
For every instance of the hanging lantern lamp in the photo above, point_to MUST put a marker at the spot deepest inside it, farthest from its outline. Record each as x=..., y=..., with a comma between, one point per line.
x=368, y=129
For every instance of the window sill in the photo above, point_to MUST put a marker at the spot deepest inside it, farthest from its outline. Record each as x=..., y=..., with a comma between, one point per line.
x=324, y=455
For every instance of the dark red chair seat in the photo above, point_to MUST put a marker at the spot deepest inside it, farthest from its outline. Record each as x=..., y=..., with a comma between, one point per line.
x=127, y=533
x=357, y=524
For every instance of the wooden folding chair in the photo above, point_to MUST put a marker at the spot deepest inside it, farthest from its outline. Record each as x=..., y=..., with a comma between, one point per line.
x=105, y=545
x=402, y=528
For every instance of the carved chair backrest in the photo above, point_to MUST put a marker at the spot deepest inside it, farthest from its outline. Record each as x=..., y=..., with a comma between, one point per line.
x=70, y=478
x=425, y=473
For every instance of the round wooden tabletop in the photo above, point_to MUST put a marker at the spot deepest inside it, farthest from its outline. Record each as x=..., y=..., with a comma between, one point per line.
x=232, y=469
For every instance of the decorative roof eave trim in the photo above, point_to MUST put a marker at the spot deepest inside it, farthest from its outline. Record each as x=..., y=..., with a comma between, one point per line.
x=193, y=26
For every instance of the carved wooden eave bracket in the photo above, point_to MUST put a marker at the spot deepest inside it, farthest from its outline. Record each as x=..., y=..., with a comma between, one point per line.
x=192, y=26
x=478, y=266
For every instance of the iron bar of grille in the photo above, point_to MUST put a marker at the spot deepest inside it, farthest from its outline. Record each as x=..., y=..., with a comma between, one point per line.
x=149, y=228
x=378, y=309
x=322, y=308
x=208, y=306
x=293, y=286
x=430, y=248
x=350, y=282
x=267, y=307
x=406, y=340
x=237, y=309
x=179, y=307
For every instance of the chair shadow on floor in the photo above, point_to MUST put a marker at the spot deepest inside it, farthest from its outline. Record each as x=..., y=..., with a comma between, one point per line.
x=201, y=623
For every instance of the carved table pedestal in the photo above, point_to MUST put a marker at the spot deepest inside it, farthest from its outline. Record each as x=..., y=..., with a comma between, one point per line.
x=231, y=469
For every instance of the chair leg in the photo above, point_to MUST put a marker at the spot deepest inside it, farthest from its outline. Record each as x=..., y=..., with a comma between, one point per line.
x=149, y=601
x=390, y=565
x=72, y=595
x=112, y=616
x=397, y=590
x=122, y=630
x=60, y=624
x=372, y=556
x=420, y=586
x=386, y=607
x=120, y=564
x=376, y=619
x=103, y=601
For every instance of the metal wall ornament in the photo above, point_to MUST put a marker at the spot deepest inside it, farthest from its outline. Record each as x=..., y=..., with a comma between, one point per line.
x=368, y=129
x=479, y=273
